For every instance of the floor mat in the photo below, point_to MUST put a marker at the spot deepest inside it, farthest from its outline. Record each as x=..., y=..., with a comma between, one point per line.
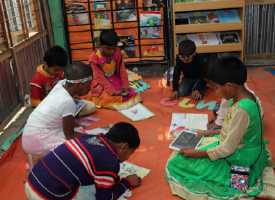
x=153, y=152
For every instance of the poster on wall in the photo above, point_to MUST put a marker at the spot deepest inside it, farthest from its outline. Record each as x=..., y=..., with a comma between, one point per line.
x=152, y=19
x=126, y=44
x=78, y=13
x=101, y=10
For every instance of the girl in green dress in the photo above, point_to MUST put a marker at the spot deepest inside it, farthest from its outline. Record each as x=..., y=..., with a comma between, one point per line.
x=206, y=173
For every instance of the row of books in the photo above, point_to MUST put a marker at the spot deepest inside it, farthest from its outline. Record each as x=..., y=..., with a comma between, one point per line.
x=211, y=38
x=125, y=11
x=202, y=17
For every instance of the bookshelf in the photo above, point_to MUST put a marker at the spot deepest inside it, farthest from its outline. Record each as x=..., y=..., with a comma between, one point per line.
x=239, y=5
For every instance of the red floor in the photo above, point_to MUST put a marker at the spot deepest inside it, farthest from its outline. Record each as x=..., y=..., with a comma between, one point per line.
x=153, y=152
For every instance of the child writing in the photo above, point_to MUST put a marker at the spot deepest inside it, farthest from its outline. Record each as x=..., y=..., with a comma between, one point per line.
x=53, y=121
x=207, y=173
x=110, y=88
x=221, y=110
x=85, y=161
x=189, y=63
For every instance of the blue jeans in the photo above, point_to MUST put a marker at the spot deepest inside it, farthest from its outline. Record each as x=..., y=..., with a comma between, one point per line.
x=187, y=87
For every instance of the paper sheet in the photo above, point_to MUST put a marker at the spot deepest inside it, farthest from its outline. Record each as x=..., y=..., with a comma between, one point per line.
x=127, y=169
x=103, y=129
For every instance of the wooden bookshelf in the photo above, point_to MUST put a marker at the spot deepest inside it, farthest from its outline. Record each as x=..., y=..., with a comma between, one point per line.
x=239, y=5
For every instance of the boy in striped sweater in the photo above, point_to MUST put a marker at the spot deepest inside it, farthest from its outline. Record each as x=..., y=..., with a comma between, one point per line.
x=85, y=161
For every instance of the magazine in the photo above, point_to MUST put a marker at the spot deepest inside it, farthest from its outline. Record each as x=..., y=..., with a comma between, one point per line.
x=230, y=15
x=186, y=139
x=101, y=10
x=137, y=112
x=199, y=17
x=213, y=17
x=204, y=38
x=154, y=51
x=78, y=13
x=79, y=104
x=101, y=24
x=153, y=20
x=124, y=4
x=187, y=122
x=126, y=15
x=103, y=129
x=127, y=169
x=126, y=44
x=229, y=37
x=153, y=5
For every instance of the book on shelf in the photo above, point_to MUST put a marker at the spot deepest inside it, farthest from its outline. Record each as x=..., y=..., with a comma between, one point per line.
x=152, y=5
x=152, y=19
x=204, y=38
x=199, y=17
x=213, y=17
x=181, y=18
x=101, y=10
x=229, y=37
x=101, y=24
x=228, y=15
x=183, y=1
x=126, y=15
x=77, y=13
x=124, y=4
x=126, y=44
x=153, y=51
x=187, y=122
x=180, y=38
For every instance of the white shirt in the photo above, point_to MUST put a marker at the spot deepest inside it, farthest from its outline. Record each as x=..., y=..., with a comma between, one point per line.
x=49, y=113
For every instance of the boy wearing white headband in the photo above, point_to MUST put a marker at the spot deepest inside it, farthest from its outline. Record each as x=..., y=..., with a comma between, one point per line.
x=53, y=121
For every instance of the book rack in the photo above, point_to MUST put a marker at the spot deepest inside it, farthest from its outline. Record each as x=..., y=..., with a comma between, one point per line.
x=81, y=37
x=239, y=5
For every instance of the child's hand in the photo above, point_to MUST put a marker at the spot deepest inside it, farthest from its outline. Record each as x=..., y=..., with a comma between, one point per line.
x=189, y=153
x=174, y=95
x=135, y=180
x=125, y=92
x=205, y=133
x=211, y=123
x=118, y=93
x=196, y=95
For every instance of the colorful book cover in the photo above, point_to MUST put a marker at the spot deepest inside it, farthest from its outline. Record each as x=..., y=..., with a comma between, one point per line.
x=181, y=18
x=124, y=4
x=79, y=104
x=229, y=37
x=154, y=51
x=137, y=112
x=230, y=15
x=204, y=38
x=213, y=17
x=127, y=169
x=78, y=13
x=126, y=44
x=101, y=10
x=187, y=122
x=199, y=17
x=153, y=20
x=126, y=15
x=180, y=38
x=101, y=24
x=152, y=5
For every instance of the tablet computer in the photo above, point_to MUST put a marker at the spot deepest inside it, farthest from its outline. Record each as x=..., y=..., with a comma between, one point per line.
x=186, y=139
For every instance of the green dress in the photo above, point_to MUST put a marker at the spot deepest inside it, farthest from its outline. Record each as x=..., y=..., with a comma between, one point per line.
x=211, y=179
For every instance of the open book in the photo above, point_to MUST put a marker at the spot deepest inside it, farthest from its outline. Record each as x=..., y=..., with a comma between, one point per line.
x=127, y=169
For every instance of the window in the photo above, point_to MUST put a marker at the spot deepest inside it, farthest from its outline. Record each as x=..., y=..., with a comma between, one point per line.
x=19, y=20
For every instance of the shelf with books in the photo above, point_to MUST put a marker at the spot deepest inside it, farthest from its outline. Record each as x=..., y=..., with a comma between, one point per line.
x=210, y=17
x=208, y=27
x=208, y=5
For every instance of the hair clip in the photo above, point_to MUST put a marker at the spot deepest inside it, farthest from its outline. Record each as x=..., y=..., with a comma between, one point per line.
x=90, y=78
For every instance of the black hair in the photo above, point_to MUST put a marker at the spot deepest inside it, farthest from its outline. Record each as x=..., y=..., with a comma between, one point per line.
x=206, y=64
x=124, y=132
x=78, y=70
x=187, y=47
x=108, y=37
x=56, y=56
x=227, y=69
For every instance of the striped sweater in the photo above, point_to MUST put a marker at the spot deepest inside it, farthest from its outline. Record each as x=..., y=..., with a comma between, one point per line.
x=79, y=162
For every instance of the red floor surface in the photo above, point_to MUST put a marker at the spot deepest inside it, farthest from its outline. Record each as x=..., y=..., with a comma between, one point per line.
x=153, y=152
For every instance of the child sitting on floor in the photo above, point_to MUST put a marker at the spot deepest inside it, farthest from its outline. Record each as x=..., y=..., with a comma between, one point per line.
x=208, y=173
x=222, y=108
x=48, y=75
x=53, y=121
x=189, y=63
x=85, y=161
x=110, y=88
